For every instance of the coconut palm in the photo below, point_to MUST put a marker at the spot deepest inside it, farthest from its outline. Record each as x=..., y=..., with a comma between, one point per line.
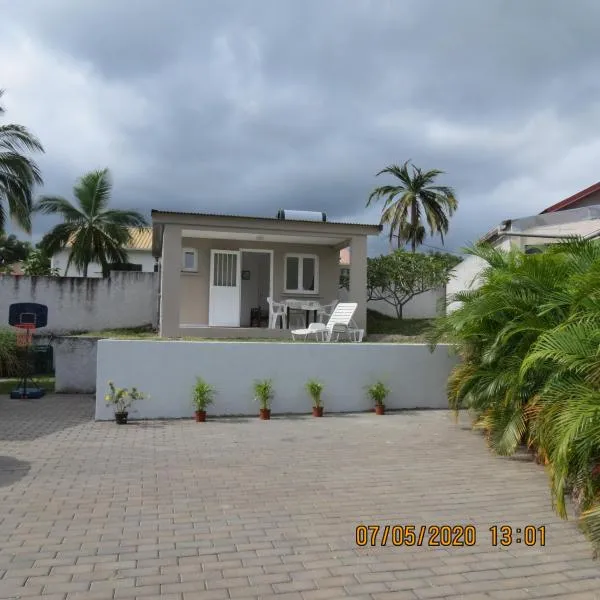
x=530, y=370
x=18, y=173
x=412, y=197
x=94, y=232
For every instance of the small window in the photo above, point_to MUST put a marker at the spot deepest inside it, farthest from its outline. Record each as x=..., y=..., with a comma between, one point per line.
x=301, y=273
x=189, y=260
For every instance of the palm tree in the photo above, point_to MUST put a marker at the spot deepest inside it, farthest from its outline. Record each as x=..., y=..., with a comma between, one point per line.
x=18, y=173
x=94, y=232
x=414, y=195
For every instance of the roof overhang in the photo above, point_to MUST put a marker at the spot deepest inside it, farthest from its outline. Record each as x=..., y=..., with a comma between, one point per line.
x=261, y=229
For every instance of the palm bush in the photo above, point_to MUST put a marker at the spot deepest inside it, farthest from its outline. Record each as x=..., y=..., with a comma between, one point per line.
x=314, y=388
x=378, y=392
x=264, y=393
x=203, y=394
x=530, y=370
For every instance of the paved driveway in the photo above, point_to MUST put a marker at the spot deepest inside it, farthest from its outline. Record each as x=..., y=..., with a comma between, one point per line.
x=247, y=509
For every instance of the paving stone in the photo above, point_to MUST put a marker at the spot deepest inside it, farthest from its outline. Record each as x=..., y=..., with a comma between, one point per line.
x=268, y=512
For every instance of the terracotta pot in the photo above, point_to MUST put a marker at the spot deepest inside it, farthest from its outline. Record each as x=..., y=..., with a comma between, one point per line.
x=265, y=414
x=200, y=416
x=121, y=418
x=379, y=409
x=317, y=411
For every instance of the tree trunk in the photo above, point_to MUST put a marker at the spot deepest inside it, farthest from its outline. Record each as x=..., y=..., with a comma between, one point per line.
x=399, y=311
x=85, y=270
x=413, y=222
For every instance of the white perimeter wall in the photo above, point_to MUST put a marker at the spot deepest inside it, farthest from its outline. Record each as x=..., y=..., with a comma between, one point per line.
x=125, y=299
x=424, y=306
x=463, y=277
x=166, y=370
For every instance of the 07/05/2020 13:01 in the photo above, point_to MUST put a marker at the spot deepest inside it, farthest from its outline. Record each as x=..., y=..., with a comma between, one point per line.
x=448, y=535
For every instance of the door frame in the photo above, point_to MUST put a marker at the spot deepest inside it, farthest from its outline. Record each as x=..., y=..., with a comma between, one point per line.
x=271, y=254
x=213, y=251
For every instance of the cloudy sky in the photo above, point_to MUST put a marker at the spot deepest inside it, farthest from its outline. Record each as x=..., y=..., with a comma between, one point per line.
x=247, y=107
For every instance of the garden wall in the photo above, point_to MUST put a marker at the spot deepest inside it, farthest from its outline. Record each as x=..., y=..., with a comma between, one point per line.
x=423, y=306
x=464, y=277
x=167, y=371
x=125, y=299
x=75, y=364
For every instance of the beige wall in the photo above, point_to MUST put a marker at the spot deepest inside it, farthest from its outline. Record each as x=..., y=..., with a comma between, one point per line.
x=195, y=286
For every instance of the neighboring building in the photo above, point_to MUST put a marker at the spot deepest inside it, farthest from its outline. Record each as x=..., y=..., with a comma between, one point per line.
x=578, y=215
x=216, y=268
x=139, y=253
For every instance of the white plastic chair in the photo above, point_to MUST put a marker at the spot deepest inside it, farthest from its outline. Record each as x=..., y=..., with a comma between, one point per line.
x=325, y=311
x=276, y=310
x=339, y=323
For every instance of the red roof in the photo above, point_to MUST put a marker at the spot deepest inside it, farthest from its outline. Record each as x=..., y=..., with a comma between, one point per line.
x=573, y=199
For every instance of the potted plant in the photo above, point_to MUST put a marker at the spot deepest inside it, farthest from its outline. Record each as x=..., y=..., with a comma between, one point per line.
x=263, y=394
x=315, y=389
x=203, y=396
x=378, y=392
x=122, y=399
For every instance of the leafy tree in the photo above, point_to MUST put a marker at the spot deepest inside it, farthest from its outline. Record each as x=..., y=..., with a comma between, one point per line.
x=38, y=264
x=95, y=232
x=398, y=277
x=12, y=250
x=452, y=259
x=18, y=173
x=413, y=196
x=530, y=370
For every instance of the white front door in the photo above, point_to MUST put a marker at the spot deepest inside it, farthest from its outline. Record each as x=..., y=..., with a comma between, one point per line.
x=224, y=296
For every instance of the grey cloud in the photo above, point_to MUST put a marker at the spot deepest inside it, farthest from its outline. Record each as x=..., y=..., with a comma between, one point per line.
x=272, y=104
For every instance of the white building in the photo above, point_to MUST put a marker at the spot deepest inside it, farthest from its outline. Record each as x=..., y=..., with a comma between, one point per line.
x=578, y=215
x=139, y=253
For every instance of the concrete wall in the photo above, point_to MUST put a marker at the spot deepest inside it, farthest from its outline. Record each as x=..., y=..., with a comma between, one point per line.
x=167, y=371
x=75, y=364
x=138, y=257
x=424, y=306
x=126, y=299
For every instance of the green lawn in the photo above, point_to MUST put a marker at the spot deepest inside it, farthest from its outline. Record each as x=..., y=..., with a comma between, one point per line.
x=399, y=330
x=44, y=381
x=134, y=333
x=379, y=326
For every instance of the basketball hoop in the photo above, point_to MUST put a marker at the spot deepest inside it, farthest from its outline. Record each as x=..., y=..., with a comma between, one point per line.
x=26, y=317
x=24, y=333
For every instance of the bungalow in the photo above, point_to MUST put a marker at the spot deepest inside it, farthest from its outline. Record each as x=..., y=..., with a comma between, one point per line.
x=216, y=269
